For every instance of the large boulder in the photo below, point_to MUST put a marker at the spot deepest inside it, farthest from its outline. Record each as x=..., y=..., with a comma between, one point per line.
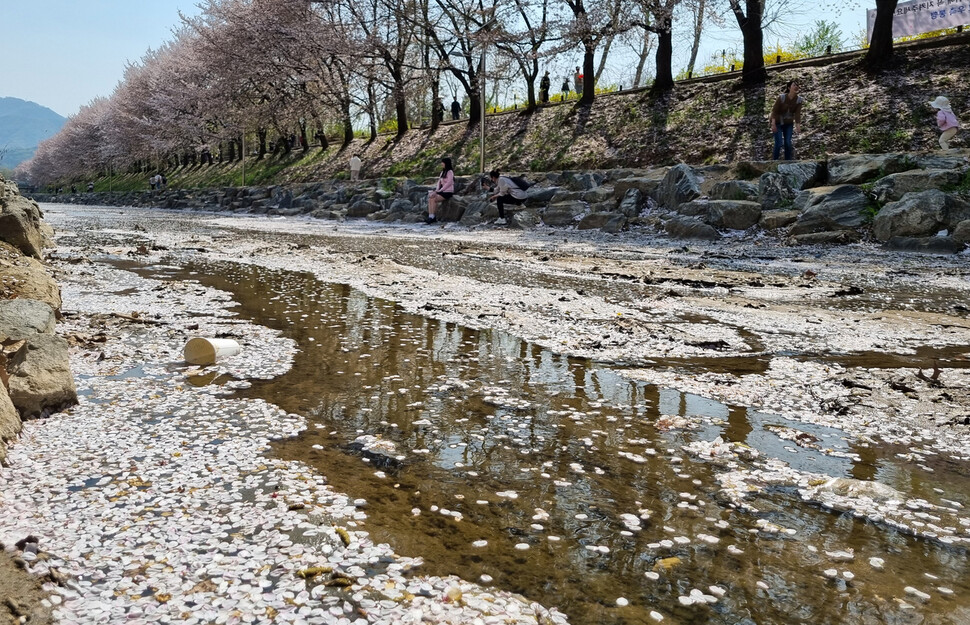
x=363, y=208
x=585, y=181
x=540, y=196
x=9, y=423
x=646, y=185
x=802, y=174
x=925, y=245
x=20, y=223
x=832, y=237
x=919, y=214
x=25, y=277
x=631, y=203
x=825, y=209
x=961, y=232
x=478, y=212
x=680, y=185
x=775, y=191
x=894, y=186
x=564, y=213
x=733, y=214
x=773, y=220
x=859, y=168
x=595, y=221
x=282, y=198
x=616, y=223
x=525, y=219
x=40, y=376
x=694, y=208
x=598, y=195
x=400, y=205
x=683, y=227
x=939, y=161
x=734, y=190
x=453, y=209
x=23, y=318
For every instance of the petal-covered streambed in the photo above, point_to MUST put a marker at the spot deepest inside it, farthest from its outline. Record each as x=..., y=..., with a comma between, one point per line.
x=455, y=449
x=557, y=478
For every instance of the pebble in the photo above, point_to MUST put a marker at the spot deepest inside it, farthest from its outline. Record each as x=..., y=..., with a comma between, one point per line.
x=915, y=592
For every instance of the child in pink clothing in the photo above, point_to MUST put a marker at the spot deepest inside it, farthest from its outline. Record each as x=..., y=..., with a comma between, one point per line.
x=946, y=120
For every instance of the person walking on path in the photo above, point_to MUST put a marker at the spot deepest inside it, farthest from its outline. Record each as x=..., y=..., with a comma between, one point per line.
x=455, y=109
x=578, y=81
x=506, y=192
x=565, y=89
x=946, y=120
x=544, y=86
x=355, y=165
x=786, y=116
x=442, y=191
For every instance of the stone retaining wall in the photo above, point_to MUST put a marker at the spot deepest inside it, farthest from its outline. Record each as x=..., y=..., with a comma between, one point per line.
x=914, y=201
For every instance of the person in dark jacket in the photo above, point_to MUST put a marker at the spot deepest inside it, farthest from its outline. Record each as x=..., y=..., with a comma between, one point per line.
x=786, y=116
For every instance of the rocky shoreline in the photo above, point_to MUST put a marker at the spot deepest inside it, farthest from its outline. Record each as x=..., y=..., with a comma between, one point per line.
x=35, y=376
x=906, y=201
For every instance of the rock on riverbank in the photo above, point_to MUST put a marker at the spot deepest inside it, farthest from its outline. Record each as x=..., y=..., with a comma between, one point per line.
x=34, y=361
x=35, y=373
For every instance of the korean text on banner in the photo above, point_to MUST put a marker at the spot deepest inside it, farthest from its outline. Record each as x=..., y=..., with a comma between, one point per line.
x=923, y=16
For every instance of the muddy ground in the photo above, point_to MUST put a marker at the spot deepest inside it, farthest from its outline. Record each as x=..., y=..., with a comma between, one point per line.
x=873, y=342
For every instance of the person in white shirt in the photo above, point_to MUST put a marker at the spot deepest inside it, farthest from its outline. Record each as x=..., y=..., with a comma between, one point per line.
x=355, y=164
x=506, y=192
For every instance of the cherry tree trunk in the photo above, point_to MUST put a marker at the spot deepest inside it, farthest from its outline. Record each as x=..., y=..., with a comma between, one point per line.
x=880, y=50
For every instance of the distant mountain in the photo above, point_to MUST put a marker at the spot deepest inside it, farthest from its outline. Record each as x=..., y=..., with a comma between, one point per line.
x=23, y=125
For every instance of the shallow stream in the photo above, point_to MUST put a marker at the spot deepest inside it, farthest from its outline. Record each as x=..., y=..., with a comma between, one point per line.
x=555, y=477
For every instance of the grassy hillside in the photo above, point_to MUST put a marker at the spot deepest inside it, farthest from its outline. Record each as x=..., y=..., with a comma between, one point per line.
x=699, y=122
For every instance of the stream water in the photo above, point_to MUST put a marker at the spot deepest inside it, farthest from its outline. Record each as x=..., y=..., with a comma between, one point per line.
x=555, y=477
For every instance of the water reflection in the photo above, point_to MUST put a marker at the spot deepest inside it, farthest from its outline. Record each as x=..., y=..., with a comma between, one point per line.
x=548, y=474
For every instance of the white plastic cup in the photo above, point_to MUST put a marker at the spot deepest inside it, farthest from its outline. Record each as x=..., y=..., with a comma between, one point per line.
x=200, y=351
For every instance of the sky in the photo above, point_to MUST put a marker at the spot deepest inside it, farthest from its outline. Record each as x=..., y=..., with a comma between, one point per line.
x=64, y=53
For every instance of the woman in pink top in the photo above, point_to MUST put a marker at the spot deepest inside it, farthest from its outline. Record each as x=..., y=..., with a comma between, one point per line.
x=442, y=191
x=946, y=120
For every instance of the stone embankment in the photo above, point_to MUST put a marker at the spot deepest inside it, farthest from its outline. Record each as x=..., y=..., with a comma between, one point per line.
x=908, y=201
x=34, y=367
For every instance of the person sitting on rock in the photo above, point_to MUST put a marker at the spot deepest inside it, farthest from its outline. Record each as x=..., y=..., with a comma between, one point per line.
x=506, y=192
x=442, y=191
